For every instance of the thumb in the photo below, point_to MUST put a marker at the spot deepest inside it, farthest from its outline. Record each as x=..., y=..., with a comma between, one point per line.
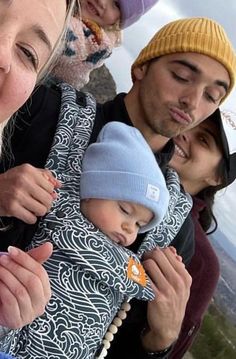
x=41, y=253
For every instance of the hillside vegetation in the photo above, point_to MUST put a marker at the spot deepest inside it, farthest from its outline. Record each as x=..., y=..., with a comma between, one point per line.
x=217, y=338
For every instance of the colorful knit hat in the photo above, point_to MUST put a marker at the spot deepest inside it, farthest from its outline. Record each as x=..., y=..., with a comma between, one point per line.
x=121, y=166
x=200, y=35
x=132, y=10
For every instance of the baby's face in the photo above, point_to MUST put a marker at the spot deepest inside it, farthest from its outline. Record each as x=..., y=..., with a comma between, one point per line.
x=104, y=12
x=119, y=220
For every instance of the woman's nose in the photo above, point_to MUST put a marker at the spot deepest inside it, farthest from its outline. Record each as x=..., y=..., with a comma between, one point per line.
x=184, y=136
x=5, y=54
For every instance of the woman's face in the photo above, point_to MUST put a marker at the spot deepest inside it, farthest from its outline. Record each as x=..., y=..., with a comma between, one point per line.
x=29, y=29
x=197, y=157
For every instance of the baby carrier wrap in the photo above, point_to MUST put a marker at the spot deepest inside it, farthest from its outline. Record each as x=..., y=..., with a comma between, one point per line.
x=90, y=275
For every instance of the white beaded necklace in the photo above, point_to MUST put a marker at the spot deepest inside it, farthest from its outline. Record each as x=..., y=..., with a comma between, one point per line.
x=113, y=329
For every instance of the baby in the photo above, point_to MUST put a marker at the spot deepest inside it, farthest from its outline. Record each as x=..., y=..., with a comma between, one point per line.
x=123, y=191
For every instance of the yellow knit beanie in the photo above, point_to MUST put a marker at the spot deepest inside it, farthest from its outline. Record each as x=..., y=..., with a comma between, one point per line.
x=200, y=35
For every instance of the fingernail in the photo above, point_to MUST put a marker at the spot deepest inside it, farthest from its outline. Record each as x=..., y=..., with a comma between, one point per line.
x=12, y=250
x=173, y=250
x=3, y=253
x=54, y=195
x=59, y=184
x=53, y=181
x=46, y=176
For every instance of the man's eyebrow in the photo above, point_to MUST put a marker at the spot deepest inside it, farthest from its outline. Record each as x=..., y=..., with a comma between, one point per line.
x=188, y=64
x=37, y=29
x=196, y=70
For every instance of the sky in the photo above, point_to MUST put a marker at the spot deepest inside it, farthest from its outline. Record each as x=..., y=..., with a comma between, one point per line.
x=137, y=36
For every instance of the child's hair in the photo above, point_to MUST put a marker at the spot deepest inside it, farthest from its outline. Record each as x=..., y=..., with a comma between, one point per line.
x=114, y=33
x=72, y=8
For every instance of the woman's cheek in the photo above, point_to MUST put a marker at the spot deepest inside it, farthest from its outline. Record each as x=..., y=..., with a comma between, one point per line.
x=22, y=92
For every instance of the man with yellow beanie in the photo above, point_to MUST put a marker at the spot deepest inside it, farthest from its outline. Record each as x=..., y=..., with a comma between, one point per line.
x=182, y=75
x=179, y=79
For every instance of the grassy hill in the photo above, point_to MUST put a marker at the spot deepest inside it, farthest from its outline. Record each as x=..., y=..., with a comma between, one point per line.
x=217, y=338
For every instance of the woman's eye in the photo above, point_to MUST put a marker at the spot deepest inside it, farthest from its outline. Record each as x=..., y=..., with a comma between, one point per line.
x=203, y=139
x=30, y=56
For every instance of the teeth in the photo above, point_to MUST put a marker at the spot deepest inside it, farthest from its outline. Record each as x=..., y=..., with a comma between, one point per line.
x=179, y=151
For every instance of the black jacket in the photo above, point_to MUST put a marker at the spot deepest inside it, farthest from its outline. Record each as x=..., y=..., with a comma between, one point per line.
x=30, y=142
x=204, y=269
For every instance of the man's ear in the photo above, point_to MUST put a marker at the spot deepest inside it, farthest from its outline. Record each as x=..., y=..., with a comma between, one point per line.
x=140, y=71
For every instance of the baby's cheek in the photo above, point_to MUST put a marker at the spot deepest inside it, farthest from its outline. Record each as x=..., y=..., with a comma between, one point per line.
x=104, y=223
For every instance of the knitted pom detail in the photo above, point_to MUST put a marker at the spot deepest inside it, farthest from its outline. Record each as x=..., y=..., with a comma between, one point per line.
x=95, y=28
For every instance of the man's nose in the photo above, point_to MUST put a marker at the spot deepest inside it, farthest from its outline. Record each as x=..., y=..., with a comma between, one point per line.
x=5, y=54
x=191, y=99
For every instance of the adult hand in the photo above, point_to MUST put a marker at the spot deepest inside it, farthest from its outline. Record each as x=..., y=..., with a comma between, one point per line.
x=26, y=192
x=24, y=285
x=171, y=284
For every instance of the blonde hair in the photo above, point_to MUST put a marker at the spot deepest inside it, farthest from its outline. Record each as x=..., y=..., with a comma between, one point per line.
x=115, y=33
x=72, y=8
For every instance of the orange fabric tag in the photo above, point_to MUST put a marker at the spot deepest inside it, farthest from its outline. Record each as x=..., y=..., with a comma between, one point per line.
x=136, y=272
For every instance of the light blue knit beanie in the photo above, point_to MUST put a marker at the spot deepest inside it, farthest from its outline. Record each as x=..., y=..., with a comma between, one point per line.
x=5, y=356
x=121, y=166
